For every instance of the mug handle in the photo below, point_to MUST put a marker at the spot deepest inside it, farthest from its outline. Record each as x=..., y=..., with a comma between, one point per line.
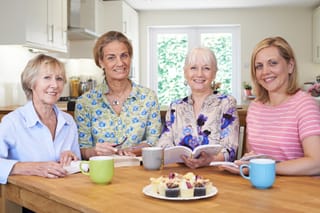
x=241, y=171
x=81, y=168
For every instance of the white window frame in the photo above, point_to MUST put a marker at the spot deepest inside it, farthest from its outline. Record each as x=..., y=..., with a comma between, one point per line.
x=194, y=33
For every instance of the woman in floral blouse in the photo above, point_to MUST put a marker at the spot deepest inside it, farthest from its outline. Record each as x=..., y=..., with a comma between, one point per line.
x=118, y=110
x=205, y=116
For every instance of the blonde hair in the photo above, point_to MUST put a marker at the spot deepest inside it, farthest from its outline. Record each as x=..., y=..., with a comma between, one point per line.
x=286, y=52
x=209, y=57
x=33, y=68
x=106, y=39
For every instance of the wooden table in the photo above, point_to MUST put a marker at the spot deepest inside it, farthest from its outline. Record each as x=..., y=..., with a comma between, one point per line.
x=76, y=193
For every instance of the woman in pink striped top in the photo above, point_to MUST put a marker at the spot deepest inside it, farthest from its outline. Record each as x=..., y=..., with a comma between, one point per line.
x=283, y=122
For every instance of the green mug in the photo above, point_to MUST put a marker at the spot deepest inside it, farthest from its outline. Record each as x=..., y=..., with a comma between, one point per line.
x=101, y=169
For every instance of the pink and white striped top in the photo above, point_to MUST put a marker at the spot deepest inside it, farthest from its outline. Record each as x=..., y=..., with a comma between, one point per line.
x=279, y=131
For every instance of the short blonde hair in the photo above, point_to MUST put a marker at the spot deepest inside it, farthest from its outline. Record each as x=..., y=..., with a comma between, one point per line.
x=286, y=52
x=33, y=68
x=209, y=57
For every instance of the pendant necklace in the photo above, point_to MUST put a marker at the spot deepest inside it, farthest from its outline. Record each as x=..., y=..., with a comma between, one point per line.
x=117, y=99
x=115, y=102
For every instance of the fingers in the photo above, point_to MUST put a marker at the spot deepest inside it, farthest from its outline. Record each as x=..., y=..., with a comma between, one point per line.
x=190, y=162
x=55, y=171
x=105, y=149
x=125, y=152
x=66, y=157
x=230, y=169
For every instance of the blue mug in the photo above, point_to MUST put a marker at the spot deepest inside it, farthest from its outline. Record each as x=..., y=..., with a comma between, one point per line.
x=262, y=172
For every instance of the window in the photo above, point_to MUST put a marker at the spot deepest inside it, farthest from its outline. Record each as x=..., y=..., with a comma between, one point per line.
x=169, y=46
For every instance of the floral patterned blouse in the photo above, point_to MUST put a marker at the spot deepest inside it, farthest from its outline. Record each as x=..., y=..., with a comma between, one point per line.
x=139, y=119
x=217, y=123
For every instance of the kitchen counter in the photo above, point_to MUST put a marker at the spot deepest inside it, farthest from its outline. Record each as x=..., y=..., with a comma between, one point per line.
x=5, y=110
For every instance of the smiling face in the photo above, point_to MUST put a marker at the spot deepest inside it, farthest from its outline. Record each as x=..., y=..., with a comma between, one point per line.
x=116, y=61
x=272, y=70
x=48, y=85
x=200, y=70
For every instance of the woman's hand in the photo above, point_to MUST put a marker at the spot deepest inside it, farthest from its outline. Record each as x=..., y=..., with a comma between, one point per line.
x=235, y=170
x=203, y=160
x=43, y=169
x=105, y=149
x=126, y=152
x=66, y=157
x=134, y=150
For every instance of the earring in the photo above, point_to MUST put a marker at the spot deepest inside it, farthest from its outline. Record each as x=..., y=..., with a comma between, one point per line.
x=185, y=83
x=213, y=85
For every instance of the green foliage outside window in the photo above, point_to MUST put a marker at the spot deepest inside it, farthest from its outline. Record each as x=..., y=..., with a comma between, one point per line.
x=172, y=50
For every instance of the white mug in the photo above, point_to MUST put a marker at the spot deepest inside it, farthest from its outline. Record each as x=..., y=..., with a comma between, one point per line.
x=152, y=157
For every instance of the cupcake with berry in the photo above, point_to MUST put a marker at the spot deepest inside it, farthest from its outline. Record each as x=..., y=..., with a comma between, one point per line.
x=159, y=185
x=172, y=185
x=186, y=188
x=201, y=186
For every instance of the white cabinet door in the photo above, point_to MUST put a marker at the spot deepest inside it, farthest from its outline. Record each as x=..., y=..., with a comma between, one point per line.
x=130, y=21
x=57, y=24
x=316, y=35
x=36, y=23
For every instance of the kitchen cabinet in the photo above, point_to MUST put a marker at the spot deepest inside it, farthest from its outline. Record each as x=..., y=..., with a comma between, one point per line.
x=118, y=15
x=103, y=16
x=316, y=35
x=40, y=24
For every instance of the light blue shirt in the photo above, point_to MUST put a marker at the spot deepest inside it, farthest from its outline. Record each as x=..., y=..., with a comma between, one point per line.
x=24, y=138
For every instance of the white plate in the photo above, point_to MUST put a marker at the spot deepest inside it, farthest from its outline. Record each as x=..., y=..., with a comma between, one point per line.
x=147, y=190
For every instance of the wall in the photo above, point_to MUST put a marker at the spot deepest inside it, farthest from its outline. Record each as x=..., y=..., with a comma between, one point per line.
x=294, y=24
x=14, y=59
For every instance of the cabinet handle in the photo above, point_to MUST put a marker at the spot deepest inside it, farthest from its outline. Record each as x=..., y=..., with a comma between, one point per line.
x=125, y=27
x=50, y=33
x=317, y=51
x=65, y=37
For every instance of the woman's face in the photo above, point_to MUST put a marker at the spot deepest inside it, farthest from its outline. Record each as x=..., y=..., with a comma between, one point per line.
x=200, y=74
x=48, y=85
x=116, y=61
x=272, y=70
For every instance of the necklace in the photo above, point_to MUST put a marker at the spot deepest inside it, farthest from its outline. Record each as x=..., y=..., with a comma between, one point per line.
x=115, y=102
x=118, y=99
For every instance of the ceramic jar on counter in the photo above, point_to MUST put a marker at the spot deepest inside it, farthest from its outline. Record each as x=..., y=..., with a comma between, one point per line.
x=78, y=85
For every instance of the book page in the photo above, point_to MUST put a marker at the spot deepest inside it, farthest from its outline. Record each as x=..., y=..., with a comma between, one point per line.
x=223, y=163
x=249, y=157
x=122, y=160
x=212, y=149
x=172, y=154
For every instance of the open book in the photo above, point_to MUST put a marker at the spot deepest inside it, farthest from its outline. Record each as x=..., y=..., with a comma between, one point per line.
x=119, y=161
x=245, y=158
x=173, y=154
x=223, y=163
